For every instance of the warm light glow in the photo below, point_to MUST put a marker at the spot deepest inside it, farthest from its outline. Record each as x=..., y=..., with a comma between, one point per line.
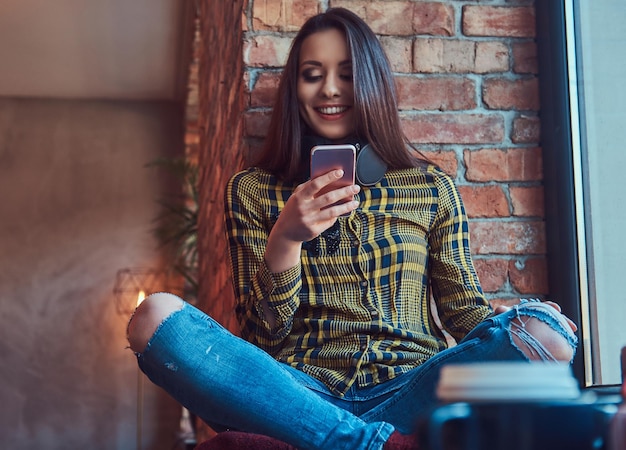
x=140, y=297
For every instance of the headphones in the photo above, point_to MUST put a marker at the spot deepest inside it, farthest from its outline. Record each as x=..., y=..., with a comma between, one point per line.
x=370, y=168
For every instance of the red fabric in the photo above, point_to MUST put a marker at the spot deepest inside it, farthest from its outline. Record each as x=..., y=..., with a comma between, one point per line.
x=235, y=440
x=399, y=441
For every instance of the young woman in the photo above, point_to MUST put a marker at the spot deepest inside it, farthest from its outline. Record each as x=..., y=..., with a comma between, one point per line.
x=339, y=348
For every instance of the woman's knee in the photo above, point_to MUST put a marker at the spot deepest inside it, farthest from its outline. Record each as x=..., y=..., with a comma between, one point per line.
x=541, y=332
x=540, y=341
x=148, y=316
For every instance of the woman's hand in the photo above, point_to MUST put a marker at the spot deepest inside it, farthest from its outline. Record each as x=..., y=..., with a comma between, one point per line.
x=306, y=214
x=502, y=308
x=304, y=217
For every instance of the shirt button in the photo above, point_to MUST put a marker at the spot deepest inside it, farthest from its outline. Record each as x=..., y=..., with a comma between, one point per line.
x=355, y=243
x=374, y=313
x=363, y=283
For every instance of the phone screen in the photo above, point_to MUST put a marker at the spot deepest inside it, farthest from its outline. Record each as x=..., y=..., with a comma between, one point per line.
x=325, y=158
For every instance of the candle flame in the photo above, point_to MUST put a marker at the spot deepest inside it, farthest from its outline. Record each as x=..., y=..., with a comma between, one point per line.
x=140, y=297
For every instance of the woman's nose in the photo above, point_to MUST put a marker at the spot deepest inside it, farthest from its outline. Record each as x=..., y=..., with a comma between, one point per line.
x=331, y=87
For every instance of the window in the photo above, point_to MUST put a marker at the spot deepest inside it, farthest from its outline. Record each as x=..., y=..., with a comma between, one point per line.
x=582, y=54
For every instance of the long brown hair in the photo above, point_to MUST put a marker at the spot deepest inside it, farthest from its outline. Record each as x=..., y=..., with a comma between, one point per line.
x=375, y=101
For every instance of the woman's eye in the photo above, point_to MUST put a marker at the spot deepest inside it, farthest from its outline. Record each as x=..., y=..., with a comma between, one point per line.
x=310, y=77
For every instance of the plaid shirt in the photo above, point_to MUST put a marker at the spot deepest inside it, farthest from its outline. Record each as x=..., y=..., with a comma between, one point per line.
x=356, y=308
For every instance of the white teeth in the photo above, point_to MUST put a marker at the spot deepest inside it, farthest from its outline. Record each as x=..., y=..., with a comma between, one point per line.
x=332, y=109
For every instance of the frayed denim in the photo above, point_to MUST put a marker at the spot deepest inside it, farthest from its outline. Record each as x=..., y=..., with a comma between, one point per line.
x=232, y=384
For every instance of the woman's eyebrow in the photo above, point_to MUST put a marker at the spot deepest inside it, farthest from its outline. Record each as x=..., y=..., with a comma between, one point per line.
x=311, y=62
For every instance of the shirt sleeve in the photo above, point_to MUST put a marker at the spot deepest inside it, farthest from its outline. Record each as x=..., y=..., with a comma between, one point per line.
x=258, y=291
x=456, y=289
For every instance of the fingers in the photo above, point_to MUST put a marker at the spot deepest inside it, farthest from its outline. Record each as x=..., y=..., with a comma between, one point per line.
x=330, y=190
x=500, y=309
x=309, y=211
x=338, y=196
x=317, y=183
x=322, y=184
x=341, y=208
x=556, y=306
x=571, y=323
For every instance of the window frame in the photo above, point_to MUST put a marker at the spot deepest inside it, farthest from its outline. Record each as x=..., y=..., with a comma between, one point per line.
x=566, y=254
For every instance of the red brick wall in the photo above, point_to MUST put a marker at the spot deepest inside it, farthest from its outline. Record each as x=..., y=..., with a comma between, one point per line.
x=468, y=88
x=467, y=81
x=219, y=125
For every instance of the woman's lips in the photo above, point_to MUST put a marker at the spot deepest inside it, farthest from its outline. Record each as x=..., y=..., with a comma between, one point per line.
x=331, y=112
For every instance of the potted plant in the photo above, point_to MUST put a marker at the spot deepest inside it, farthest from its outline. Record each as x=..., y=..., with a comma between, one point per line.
x=177, y=225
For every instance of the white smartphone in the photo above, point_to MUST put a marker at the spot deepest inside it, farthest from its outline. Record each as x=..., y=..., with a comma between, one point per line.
x=325, y=158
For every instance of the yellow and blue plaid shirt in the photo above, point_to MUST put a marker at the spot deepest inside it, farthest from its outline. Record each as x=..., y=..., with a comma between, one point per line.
x=356, y=308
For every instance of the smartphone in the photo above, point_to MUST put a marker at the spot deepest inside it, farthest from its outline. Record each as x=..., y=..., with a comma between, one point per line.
x=325, y=158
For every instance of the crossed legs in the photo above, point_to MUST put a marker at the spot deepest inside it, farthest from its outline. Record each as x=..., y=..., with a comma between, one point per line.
x=210, y=369
x=148, y=316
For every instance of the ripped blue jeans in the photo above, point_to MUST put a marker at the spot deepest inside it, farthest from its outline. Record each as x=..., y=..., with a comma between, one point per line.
x=232, y=384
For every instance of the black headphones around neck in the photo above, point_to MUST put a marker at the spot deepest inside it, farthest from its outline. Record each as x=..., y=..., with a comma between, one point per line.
x=370, y=168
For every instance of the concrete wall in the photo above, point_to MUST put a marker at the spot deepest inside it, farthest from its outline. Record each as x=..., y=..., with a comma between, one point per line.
x=77, y=204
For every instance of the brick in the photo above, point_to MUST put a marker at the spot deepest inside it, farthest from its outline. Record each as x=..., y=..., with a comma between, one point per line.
x=527, y=201
x=444, y=94
x=484, y=201
x=399, y=52
x=192, y=137
x=389, y=17
x=263, y=93
x=490, y=164
x=266, y=51
x=491, y=57
x=192, y=112
x=492, y=273
x=436, y=19
x=529, y=276
x=501, y=21
x=512, y=238
x=525, y=58
x=431, y=55
x=526, y=130
x=453, y=128
x=256, y=123
x=500, y=93
x=445, y=160
x=247, y=76
x=282, y=15
x=244, y=18
x=403, y=18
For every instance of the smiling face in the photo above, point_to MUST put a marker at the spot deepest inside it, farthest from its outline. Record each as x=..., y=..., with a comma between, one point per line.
x=325, y=89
